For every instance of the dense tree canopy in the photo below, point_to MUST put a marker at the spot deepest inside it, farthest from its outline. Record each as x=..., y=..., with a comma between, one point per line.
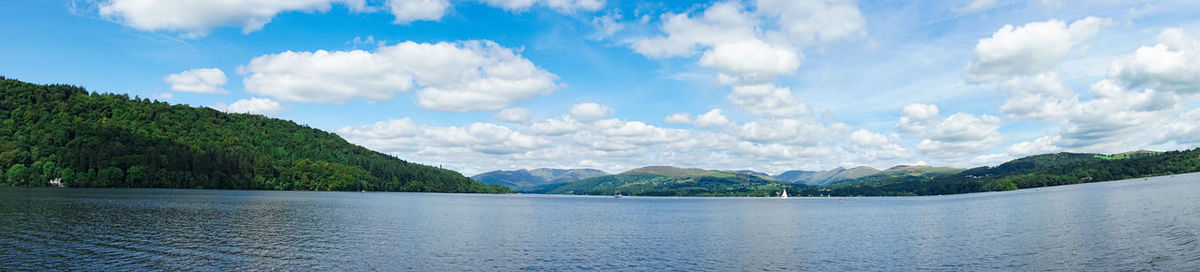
x=1028, y=172
x=106, y=140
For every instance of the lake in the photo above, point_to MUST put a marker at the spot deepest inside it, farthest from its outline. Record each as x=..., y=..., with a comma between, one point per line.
x=1122, y=225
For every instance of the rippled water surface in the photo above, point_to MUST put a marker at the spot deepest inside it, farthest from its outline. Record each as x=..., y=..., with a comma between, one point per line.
x=1126, y=225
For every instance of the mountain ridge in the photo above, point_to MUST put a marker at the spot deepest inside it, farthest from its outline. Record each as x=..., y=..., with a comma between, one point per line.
x=525, y=179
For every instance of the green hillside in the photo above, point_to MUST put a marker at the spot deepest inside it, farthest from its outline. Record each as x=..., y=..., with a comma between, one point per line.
x=672, y=181
x=1028, y=172
x=107, y=140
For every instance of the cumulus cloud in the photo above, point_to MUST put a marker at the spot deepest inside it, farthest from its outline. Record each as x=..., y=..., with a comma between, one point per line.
x=1184, y=130
x=806, y=22
x=197, y=17
x=609, y=144
x=460, y=76
x=750, y=61
x=513, y=115
x=1038, y=97
x=711, y=119
x=1172, y=65
x=588, y=112
x=958, y=136
x=720, y=23
x=1142, y=92
x=749, y=48
x=915, y=118
x=678, y=118
x=260, y=106
x=791, y=131
x=767, y=100
x=407, y=11
x=866, y=147
x=203, y=80
x=1030, y=49
x=1042, y=145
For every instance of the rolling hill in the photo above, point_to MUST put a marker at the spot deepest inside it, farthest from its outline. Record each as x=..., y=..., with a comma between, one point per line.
x=814, y=178
x=524, y=179
x=1028, y=172
x=673, y=181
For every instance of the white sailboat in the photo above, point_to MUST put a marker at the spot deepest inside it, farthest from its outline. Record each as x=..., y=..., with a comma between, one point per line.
x=784, y=195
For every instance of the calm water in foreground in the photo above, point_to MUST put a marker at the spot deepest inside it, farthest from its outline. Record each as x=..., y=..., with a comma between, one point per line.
x=1124, y=225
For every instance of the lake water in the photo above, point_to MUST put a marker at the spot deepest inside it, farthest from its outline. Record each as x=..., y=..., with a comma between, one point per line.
x=1125, y=225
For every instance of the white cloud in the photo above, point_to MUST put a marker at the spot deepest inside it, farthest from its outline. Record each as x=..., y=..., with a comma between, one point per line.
x=513, y=115
x=866, y=147
x=558, y=126
x=767, y=100
x=793, y=131
x=711, y=119
x=864, y=138
x=720, y=23
x=953, y=139
x=1039, y=97
x=588, y=112
x=678, y=118
x=1184, y=130
x=1128, y=109
x=203, y=80
x=811, y=21
x=1030, y=49
x=751, y=61
x=606, y=25
x=197, y=17
x=461, y=76
x=1172, y=65
x=1042, y=145
x=915, y=118
x=261, y=106
x=407, y=11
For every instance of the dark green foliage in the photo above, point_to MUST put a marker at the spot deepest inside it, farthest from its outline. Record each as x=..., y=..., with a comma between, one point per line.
x=107, y=140
x=1028, y=172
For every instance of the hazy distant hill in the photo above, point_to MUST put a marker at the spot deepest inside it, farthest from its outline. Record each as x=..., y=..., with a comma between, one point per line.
x=756, y=173
x=827, y=176
x=527, y=179
x=673, y=181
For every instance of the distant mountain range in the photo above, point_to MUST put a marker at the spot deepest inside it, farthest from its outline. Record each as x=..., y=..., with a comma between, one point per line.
x=673, y=181
x=1027, y=172
x=827, y=176
x=528, y=179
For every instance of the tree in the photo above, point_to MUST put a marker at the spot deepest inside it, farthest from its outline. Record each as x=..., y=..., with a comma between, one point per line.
x=18, y=174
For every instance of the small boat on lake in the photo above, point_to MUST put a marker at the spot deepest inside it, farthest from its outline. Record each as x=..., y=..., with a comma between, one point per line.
x=618, y=195
x=784, y=194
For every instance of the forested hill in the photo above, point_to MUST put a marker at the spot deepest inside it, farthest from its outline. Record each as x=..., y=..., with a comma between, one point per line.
x=105, y=140
x=1028, y=172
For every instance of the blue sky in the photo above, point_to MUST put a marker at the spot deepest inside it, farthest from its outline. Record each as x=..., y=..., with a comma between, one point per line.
x=767, y=85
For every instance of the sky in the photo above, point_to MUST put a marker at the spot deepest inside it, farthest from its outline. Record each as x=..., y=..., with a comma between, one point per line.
x=764, y=85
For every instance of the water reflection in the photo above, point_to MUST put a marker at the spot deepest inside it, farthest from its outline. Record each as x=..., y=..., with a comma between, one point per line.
x=1127, y=225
